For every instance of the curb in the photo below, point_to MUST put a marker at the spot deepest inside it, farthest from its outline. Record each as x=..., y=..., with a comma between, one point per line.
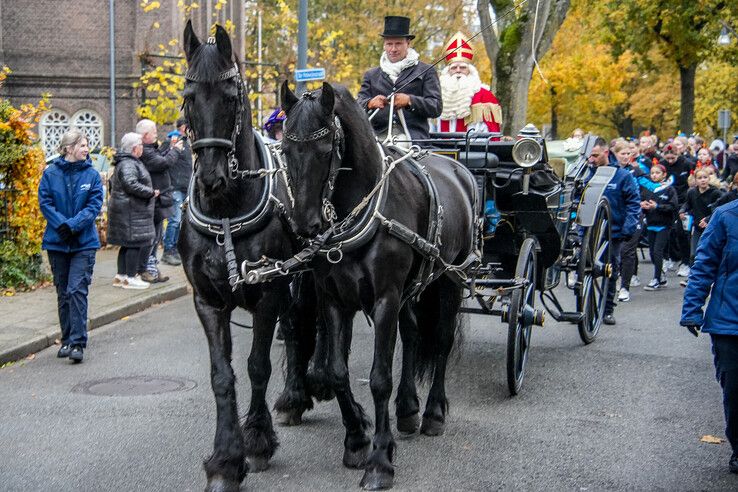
x=101, y=318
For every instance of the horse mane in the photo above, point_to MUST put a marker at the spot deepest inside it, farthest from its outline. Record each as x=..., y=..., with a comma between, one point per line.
x=355, y=125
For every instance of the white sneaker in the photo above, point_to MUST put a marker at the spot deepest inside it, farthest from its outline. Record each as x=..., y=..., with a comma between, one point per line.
x=119, y=280
x=135, y=283
x=571, y=280
x=668, y=265
x=635, y=281
x=623, y=295
x=656, y=285
x=683, y=270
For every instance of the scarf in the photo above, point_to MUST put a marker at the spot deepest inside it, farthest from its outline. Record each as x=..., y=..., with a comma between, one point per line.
x=393, y=69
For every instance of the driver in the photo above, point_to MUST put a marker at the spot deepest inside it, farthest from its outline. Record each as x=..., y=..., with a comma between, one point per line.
x=400, y=68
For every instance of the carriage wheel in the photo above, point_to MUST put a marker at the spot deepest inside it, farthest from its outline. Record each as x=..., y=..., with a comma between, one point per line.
x=593, y=274
x=519, y=325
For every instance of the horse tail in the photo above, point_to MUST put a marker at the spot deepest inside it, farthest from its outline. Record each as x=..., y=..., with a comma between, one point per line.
x=439, y=327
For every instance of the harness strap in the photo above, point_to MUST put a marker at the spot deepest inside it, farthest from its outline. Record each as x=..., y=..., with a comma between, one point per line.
x=233, y=278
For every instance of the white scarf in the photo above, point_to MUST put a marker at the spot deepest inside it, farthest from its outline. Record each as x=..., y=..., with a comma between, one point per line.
x=393, y=69
x=457, y=93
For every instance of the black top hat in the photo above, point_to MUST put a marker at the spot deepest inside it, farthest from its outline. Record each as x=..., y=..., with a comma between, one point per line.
x=396, y=26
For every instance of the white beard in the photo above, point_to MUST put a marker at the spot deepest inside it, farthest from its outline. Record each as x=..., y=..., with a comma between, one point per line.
x=457, y=91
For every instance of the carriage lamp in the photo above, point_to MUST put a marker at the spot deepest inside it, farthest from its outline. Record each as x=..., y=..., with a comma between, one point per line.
x=527, y=152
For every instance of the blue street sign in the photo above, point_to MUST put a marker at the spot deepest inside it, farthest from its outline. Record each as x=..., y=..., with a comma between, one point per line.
x=309, y=74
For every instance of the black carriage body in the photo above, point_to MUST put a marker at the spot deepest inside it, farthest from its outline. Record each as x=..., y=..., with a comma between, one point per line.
x=544, y=212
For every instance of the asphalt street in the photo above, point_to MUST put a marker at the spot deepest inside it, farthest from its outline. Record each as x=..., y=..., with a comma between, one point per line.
x=626, y=412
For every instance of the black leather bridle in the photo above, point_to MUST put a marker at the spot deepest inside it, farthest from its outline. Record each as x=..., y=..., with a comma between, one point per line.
x=229, y=145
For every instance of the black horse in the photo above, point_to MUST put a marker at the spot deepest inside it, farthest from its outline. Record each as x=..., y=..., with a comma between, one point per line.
x=333, y=161
x=233, y=215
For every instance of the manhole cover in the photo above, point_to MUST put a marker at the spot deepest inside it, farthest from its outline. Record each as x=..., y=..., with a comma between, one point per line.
x=135, y=386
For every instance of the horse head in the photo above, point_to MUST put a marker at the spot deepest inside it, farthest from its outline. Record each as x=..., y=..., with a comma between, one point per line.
x=215, y=107
x=313, y=146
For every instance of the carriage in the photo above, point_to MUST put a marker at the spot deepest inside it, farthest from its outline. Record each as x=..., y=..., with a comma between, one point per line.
x=543, y=220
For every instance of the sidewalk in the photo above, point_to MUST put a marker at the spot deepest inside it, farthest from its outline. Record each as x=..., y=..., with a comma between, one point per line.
x=29, y=321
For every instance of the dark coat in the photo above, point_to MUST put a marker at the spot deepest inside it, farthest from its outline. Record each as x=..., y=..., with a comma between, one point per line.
x=70, y=193
x=679, y=174
x=731, y=167
x=131, y=205
x=699, y=205
x=158, y=164
x=424, y=92
x=181, y=172
x=715, y=273
x=666, y=205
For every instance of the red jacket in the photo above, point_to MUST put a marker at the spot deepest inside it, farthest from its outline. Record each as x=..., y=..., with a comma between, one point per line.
x=484, y=107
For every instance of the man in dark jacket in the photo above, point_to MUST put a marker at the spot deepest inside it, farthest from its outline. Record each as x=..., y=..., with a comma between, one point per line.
x=180, y=174
x=158, y=164
x=679, y=168
x=400, y=69
x=714, y=273
x=625, y=209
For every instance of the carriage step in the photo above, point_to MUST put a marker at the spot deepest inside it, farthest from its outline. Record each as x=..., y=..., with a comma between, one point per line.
x=570, y=316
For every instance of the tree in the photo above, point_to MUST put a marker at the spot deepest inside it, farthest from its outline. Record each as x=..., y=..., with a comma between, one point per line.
x=523, y=34
x=685, y=33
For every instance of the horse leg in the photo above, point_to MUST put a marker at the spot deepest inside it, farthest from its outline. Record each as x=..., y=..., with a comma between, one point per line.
x=226, y=467
x=379, y=472
x=258, y=432
x=319, y=384
x=407, y=405
x=436, y=407
x=299, y=328
x=356, y=443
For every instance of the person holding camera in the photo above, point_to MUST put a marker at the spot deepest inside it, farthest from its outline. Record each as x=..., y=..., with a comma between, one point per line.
x=179, y=174
x=714, y=272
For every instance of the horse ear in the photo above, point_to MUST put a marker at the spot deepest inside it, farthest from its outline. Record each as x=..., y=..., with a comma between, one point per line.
x=288, y=97
x=191, y=43
x=327, y=98
x=223, y=41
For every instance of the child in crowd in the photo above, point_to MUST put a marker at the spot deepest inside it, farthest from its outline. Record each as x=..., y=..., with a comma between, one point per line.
x=660, y=206
x=700, y=200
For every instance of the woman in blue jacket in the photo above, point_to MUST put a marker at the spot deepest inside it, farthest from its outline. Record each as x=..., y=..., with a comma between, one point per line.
x=715, y=273
x=70, y=196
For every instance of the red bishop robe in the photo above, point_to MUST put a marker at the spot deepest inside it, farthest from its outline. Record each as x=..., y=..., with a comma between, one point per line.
x=484, y=107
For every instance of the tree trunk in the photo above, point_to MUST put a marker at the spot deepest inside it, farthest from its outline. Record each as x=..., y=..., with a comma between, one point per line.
x=686, y=113
x=554, y=115
x=512, y=48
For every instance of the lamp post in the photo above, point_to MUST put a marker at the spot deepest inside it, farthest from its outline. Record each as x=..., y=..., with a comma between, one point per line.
x=302, y=44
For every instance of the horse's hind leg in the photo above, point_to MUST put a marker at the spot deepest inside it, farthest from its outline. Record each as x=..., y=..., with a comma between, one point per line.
x=407, y=405
x=356, y=443
x=226, y=467
x=449, y=301
x=258, y=432
x=379, y=473
x=299, y=328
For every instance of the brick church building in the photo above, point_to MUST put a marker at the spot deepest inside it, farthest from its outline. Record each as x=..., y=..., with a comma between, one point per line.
x=63, y=47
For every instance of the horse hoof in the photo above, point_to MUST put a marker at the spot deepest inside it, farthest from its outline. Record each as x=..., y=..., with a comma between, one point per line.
x=376, y=480
x=257, y=463
x=289, y=418
x=409, y=424
x=222, y=484
x=432, y=427
x=356, y=459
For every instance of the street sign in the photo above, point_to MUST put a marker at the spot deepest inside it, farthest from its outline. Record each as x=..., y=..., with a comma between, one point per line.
x=309, y=74
x=724, y=119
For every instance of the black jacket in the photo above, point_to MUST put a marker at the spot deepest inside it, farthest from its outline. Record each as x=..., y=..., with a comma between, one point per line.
x=424, y=92
x=699, y=205
x=666, y=210
x=181, y=172
x=158, y=164
x=679, y=173
x=731, y=167
x=131, y=204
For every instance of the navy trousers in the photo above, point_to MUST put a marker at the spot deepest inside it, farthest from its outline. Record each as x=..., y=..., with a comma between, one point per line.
x=72, y=276
x=725, y=349
x=616, y=250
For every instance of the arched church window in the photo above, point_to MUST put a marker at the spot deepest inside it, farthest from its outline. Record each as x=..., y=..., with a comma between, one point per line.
x=91, y=124
x=52, y=126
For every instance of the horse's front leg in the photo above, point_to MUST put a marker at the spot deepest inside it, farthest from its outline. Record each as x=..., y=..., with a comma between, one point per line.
x=339, y=326
x=407, y=405
x=258, y=432
x=380, y=472
x=299, y=329
x=226, y=467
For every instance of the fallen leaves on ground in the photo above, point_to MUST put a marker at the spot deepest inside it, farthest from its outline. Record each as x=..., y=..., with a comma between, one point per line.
x=31, y=357
x=712, y=439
